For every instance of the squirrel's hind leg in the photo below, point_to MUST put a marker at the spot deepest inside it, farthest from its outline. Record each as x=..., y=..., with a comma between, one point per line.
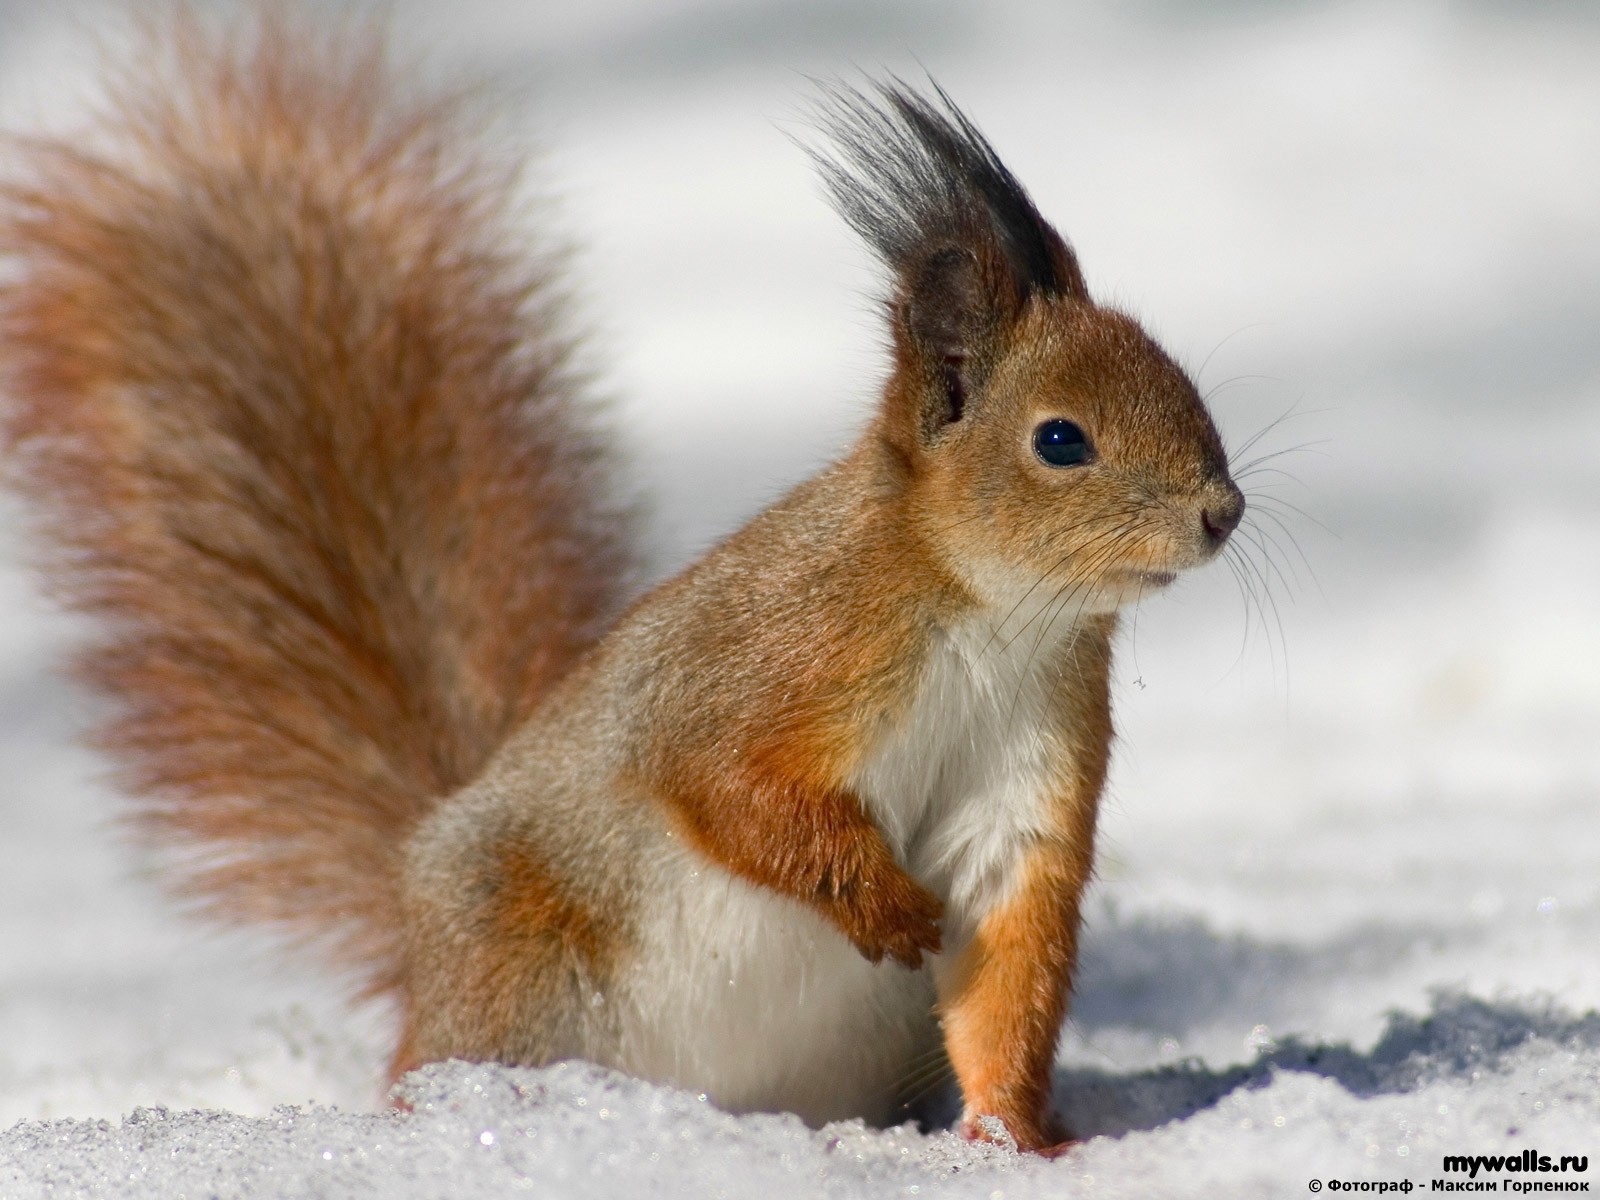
x=512, y=952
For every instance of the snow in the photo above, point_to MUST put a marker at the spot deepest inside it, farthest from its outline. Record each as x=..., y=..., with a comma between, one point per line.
x=1501, y=1076
x=1348, y=907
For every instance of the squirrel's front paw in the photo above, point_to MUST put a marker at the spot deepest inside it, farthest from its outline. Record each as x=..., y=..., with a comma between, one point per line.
x=892, y=915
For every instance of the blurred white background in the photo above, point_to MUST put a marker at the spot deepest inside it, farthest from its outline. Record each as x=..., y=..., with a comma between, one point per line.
x=1377, y=221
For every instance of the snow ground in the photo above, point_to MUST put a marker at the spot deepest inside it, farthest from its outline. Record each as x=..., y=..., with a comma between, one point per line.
x=1348, y=907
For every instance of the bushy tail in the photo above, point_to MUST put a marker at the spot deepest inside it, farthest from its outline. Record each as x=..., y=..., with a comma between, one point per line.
x=285, y=385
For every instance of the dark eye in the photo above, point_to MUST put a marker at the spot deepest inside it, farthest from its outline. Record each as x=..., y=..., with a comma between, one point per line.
x=1062, y=444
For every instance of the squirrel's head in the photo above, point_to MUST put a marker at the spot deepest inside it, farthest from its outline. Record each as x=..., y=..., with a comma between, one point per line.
x=1042, y=437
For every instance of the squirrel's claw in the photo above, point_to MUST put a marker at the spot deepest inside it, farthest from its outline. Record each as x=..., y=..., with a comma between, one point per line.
x=897, y=919
x=1048, y=1137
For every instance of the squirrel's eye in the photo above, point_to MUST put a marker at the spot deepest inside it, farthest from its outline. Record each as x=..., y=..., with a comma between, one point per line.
x=1062, y=444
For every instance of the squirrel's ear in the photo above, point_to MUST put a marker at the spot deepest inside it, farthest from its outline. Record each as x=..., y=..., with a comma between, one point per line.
x=944, y=326
x=965, y=244
x=943, y=308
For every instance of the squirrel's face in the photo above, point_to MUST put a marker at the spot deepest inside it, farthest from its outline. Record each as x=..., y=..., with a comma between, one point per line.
x=1046, y=441
x=1082, y=465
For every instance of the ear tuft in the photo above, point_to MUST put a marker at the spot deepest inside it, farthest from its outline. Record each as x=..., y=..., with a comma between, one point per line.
x=912, y=175
x=943, y=300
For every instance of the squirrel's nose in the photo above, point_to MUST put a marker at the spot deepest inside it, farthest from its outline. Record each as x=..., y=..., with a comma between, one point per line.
x=1221, y=517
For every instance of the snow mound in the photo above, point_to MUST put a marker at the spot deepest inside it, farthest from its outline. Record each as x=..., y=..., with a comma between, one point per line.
x=571, y=1130
x=1299, y=1111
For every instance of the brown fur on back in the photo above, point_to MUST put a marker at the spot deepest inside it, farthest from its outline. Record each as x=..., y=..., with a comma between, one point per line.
x=288, y=393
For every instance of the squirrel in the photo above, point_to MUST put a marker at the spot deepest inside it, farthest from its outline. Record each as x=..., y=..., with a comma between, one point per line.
x=293, y=397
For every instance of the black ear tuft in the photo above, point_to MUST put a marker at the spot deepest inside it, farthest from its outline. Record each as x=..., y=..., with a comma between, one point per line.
x=911, y=174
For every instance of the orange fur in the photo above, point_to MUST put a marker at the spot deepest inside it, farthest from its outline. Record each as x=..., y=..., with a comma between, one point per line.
x=297, y=411
x=819, y=847
x=297, y=415
x=754, y=771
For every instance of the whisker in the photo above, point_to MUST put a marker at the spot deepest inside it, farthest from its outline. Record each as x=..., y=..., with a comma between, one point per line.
x=1094, y=562
x=926, y=1074
x=1293, y=411
x=1246, y=598
x=1064, y=596
x=1310, y=447
x=1057, y=604
x=1217, y=389
x=1273, y=472
x=1271, y=604
x=1051, y=570
x=1224, y=342
x=1265, y=499
x=1294, y=544
x=1253, y=532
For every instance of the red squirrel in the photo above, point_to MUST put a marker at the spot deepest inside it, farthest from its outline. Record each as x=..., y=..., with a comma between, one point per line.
x=290, y=390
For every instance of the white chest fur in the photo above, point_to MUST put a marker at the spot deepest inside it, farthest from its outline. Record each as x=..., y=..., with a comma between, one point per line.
x=960, y=784
x=760, y=1002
